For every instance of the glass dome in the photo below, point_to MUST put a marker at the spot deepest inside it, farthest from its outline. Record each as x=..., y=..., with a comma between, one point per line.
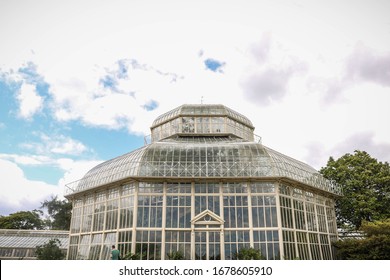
x=200, y=119
x=202, y=110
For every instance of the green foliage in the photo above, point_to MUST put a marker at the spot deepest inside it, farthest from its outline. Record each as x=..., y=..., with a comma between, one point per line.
x=366, y=188
x=136, y=256
x=376, y=228
x=376, y=246
x=249, y=254
x=60, y=212
x=175, y=255
x=50, y=251
x=22, y=220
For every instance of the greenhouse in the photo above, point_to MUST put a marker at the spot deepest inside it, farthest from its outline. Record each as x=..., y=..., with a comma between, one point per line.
x=205, y=187
x=20, y=244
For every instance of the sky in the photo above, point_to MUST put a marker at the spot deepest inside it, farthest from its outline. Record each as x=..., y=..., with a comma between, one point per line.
x=82, y=81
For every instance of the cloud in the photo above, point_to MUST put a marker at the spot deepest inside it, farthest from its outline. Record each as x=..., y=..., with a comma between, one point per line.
x=112, y=96
x=30, y=102
x=260, y=50
x=364, y=141
x=366, y=65
x=55, y=144
x=60, y=144
x=49, y=151
x=29, y=88
x=128, y=69
x=29, y=73
x=75, y=170
x=334, y=90
x=33, y=160
x=267, y=86
x=18, y=193
x=362, y=65
x=318, y=153
x=271, y=67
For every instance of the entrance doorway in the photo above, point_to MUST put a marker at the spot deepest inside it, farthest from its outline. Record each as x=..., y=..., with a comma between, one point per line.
x=207, y=236
x=207, y=245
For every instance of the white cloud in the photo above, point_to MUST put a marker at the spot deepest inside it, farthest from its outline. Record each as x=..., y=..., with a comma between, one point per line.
x=75, y=170
x=30, y=102
x=55, y=144
x=18, y=193
x=60, y=144
x=365, y=64
x=33, y=160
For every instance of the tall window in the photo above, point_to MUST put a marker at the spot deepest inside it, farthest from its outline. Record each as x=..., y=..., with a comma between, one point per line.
x=178, y=212
x=99, y=211
x=267, y=241
x=149, y=244
x=112, y=209
x=149, y=211
x=234, y=241
x=207, y=197
x=264, y=211
x=235, y=211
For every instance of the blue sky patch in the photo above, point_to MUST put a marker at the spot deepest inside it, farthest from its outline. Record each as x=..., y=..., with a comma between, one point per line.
x=214, y=65
x=108, y=82
x=151, y=105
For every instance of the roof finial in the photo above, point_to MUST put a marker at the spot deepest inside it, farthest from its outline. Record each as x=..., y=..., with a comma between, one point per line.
x=201, y=100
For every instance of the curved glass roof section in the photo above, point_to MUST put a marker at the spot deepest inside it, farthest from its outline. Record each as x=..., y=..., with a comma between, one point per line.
x=202, y=110
x=202, y=157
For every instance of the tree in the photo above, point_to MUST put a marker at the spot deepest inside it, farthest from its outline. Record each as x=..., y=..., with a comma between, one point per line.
x=375, y=246
x=60, y=212
x=50, y=250
x=249, y=254
x=366, y=188
x=22, y=220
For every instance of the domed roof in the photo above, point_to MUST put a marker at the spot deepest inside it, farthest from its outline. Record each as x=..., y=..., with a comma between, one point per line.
x=203, y=157
x=202, y=110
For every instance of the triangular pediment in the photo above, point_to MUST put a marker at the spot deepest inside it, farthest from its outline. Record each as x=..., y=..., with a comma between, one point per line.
x=207, y=217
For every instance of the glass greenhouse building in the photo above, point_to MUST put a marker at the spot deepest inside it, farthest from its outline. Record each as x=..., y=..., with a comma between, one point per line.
x=206, y=187
x=21, y=244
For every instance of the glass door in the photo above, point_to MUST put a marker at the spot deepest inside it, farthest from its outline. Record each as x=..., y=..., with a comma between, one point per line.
x=207, y=245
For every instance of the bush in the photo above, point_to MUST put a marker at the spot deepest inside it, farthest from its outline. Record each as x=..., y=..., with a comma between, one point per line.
x=249, y=254
x=50, y=250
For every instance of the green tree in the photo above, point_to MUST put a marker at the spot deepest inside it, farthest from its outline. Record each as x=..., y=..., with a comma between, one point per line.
x=249, y=254
x=375, y=246
x=366, y=188
x=60, y=212
x=50, y=250
x=22, y=220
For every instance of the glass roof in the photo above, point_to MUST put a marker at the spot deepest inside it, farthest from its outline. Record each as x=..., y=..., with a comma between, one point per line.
x=202, y=110
x=202, y=157
x=10, y=238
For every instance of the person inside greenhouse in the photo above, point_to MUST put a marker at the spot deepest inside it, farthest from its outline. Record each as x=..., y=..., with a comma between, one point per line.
x=115, y=253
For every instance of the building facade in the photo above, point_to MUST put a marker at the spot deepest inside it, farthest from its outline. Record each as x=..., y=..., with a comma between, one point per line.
x=206, y=187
